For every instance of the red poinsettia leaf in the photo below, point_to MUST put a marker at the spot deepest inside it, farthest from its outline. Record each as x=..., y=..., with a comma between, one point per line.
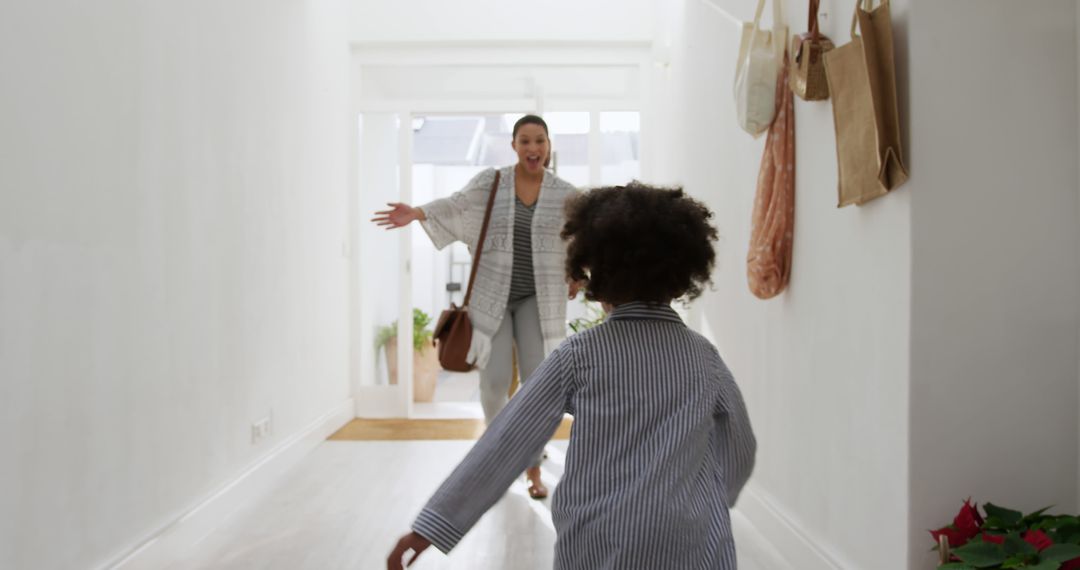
x=968, y=520
x=956, y=537
x=994, y=538
x=1038, y=539
x=974, y=510
x=1073, y=564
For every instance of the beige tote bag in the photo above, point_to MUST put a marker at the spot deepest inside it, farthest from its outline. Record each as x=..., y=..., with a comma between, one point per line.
x=862, y=82
x=760, y=56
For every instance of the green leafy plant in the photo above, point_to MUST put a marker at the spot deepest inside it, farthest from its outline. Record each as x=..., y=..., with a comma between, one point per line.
x=421, y=333
x=1005, y=538
x=594, y=315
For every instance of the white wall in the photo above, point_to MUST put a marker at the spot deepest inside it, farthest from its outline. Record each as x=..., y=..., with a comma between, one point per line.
x=464, y=80
x=513, y=20
x=926, y=349
x=995, y=279
x=173, y=200
x=824, y=367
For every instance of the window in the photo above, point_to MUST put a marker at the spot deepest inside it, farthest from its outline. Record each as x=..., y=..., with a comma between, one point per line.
x=570, y=145
x=620, y=147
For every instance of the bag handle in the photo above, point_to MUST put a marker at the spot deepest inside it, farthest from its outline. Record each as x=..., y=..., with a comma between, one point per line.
x=779, y=26
x=855, y=14
x=483, y=235
x=812, y=18
x=758, y=13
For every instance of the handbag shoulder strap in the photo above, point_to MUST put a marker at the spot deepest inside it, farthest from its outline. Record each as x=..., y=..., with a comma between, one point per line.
x=812, y=18
x=483, y=235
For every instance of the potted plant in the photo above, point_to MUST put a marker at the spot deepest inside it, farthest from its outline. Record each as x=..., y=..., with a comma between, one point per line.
x=594, y=315
x=1005, y=538
x=425, y=359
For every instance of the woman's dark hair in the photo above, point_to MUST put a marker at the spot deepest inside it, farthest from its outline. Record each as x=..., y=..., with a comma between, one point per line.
x=639, y=243
x=529, y=120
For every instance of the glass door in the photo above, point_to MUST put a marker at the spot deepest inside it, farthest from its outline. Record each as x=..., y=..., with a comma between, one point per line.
x=404, y=283
x=448, y=150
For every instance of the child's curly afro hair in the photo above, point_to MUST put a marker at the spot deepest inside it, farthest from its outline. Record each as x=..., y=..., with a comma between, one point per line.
x=639, y=243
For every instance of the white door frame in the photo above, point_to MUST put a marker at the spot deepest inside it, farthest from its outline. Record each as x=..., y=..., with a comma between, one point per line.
x=397, y=401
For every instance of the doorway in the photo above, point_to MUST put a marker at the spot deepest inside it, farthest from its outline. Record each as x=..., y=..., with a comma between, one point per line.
x=404, y=283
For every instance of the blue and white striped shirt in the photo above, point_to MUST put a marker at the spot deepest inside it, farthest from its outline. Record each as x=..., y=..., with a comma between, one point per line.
x=522, y=280
x=661, y=445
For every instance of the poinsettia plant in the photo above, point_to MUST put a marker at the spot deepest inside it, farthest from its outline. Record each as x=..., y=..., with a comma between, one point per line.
x=1005, y=538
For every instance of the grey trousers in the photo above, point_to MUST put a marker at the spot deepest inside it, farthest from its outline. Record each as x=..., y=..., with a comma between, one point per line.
x=520, y=327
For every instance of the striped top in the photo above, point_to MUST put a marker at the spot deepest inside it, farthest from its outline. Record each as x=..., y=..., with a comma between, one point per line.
x=660, y=448
x=522, y=281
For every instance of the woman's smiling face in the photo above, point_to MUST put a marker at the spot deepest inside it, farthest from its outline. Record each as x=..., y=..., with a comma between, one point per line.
x=532, y=147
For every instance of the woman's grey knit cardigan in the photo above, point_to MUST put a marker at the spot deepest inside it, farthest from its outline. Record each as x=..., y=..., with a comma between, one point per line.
x=459, y=217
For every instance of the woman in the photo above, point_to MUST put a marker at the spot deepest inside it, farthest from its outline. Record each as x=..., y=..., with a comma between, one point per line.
x=518, y=298
x=661, y=444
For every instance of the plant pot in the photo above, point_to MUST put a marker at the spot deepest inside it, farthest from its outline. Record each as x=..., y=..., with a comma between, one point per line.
x=425, y=369
x=425, y=373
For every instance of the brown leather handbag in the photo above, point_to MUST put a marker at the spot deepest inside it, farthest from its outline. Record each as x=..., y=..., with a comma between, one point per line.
x=453, y=332
x=807, y=54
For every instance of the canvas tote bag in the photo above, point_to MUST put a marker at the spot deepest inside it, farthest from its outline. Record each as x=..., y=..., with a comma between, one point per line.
x=768, y=263
x=453, y=332
x=760, y=57
x=862, y=83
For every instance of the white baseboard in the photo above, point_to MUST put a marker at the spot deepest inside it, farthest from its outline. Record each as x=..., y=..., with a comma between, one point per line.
x=787, y=538
x=169, y=543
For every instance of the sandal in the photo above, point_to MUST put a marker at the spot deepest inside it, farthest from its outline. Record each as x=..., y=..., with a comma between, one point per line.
x=537, y=490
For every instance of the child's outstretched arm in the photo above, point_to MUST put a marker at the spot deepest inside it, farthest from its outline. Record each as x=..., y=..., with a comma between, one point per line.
x=735, y=442
x=510, y=443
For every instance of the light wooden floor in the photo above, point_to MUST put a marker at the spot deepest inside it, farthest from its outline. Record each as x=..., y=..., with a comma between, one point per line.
x=421, y=430
x=345, y=505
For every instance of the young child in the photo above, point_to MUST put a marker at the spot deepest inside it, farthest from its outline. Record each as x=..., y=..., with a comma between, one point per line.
x=661, y=443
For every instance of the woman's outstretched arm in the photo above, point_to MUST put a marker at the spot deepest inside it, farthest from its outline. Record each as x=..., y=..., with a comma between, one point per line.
x=398, y=216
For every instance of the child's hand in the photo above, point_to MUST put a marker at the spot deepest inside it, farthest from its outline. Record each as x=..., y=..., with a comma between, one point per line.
x=411, y=541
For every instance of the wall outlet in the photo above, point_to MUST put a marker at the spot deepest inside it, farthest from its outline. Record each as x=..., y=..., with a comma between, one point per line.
x=261, y=430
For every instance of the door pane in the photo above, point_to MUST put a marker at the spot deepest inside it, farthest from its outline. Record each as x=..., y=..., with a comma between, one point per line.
x=620, y=141
x=448, y=151
x=570, y=144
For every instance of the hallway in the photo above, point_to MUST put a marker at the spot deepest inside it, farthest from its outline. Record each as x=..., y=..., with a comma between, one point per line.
x=193, y=297
x=348, y=503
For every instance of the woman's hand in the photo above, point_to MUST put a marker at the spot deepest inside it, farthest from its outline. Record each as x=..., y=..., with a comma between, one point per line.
x=411, y=541
x=399, y=216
